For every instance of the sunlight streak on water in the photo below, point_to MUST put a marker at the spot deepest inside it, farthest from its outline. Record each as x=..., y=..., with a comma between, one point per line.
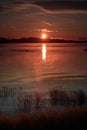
x=43, y=51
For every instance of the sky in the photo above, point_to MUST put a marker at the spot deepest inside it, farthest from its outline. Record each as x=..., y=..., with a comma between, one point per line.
x=65, y=19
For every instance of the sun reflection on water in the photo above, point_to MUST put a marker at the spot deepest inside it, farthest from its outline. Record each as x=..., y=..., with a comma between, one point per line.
x=43, y=51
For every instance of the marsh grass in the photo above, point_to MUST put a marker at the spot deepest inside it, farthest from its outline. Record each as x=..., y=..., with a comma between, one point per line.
x=36, y=101
x=46, y=115
x=69, y=118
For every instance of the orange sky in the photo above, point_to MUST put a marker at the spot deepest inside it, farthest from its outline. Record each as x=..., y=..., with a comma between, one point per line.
x=65, y=19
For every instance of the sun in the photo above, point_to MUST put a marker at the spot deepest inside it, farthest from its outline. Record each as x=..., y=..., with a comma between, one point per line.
x=43, y=36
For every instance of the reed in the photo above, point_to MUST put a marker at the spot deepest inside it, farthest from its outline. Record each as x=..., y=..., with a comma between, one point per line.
x=68, y=118
x=33, y=102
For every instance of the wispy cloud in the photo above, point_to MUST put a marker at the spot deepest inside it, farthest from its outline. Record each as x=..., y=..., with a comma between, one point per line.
x=43, y=30
x=45, y=6
x=20, y=6
x=47, y=23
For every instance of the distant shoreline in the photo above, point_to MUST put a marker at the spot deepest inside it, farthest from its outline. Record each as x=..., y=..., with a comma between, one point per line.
x=38, y=40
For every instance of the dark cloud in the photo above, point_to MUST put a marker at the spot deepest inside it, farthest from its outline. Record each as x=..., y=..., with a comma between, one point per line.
x=63, y=5
x=13, y=5
x=44, y=5
x=4, y=8
x=18, y=2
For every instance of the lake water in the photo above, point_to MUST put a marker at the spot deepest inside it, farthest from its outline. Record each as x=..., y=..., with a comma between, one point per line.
x=23, y=65
x=40, y=67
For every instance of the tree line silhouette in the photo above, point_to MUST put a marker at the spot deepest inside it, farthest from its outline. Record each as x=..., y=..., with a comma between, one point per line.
x=39, y=40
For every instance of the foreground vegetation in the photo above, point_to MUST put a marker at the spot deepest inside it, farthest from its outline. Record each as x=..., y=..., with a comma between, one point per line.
x=40, y=111
x=36, y=101
x=68, y=118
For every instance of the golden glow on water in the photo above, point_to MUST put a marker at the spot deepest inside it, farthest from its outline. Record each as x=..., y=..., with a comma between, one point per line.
x=43, y=51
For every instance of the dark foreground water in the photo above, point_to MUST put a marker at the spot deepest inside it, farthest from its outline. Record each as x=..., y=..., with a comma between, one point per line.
x=26, y=68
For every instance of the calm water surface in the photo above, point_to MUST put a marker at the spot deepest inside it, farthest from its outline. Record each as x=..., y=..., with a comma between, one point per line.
x=39, y=67
x=26, y=68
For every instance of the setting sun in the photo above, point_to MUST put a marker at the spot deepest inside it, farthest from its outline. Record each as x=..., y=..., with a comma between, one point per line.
x=44, y=36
